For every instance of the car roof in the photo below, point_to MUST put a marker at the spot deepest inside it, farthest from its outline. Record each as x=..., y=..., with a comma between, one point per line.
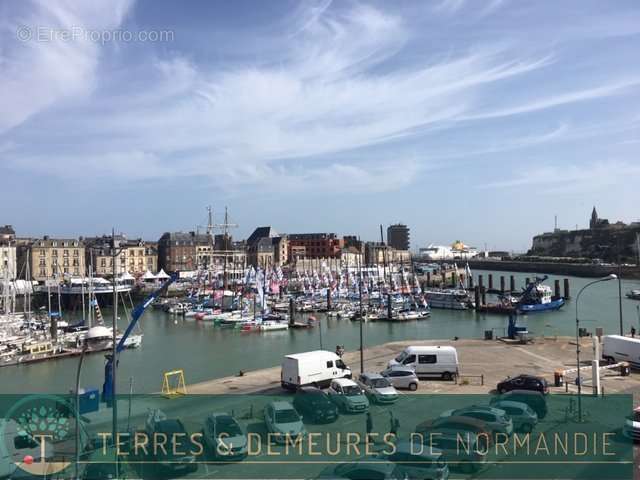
x=344, y=382
x=454, y=437
x=281, y=405
x=512, y=403
x=309, y=389
x=401, y=368
x=461, y=419
x=533, y=393
x=526, y=375
x=480, y=408
x=371, y=376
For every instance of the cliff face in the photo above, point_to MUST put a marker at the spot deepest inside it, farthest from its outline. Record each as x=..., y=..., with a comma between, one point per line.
x=606, y=243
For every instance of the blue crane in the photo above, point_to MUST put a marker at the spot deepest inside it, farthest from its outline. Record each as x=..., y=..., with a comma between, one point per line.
x=107, y=387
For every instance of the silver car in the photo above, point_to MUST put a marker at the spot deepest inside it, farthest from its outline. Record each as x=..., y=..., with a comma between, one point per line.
x=378, y=388
x=402, y=377
x=496, y=419
x=523, y=417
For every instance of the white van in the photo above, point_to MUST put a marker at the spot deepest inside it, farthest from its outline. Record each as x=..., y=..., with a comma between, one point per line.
x=429, y=361
x=315, y=368
x=616, y=348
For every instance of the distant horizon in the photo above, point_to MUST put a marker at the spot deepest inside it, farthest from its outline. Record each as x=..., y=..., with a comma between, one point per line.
x=413, y=246
x=477, y=121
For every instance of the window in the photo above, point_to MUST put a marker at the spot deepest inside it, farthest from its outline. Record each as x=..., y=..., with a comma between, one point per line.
x=75, y=253
x=66, y=253
x=409, y=359
x=54, y=253
x=330, y=364
x=427, y=359
x=43, y=272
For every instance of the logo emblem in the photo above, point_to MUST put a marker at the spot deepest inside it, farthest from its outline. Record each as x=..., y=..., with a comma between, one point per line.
x=34, y=434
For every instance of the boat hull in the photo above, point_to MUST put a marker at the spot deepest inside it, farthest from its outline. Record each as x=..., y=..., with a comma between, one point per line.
x=541, y=307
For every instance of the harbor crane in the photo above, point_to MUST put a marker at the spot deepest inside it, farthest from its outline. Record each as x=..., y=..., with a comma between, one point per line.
x=107, y=387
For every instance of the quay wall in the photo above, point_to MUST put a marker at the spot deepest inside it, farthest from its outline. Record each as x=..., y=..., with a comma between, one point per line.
x=572, y=269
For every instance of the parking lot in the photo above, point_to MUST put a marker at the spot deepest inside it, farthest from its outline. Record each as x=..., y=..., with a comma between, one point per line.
x=483, y=364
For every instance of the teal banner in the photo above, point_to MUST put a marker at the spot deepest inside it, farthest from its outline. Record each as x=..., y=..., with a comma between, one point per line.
x=312, y=434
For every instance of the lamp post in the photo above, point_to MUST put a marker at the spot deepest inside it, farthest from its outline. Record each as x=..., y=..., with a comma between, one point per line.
x=77, y=408
x=579, y=380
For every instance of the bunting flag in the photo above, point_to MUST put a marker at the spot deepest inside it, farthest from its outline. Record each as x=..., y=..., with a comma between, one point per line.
x=97, y=311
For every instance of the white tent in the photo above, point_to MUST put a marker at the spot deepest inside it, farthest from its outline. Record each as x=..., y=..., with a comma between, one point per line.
x=162, y=275
x=126, y=277
x=148, y=276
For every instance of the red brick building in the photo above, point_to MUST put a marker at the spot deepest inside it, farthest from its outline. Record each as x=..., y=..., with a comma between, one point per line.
x=316, y=245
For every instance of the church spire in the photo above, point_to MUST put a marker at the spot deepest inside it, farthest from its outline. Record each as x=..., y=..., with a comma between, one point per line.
x=594, y=218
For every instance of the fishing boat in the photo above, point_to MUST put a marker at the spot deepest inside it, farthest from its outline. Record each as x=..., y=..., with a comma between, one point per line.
x=450, y=299
x=537, y=298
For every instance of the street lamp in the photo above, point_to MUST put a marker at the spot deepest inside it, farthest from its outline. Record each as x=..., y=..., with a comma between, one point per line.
x=579, y=379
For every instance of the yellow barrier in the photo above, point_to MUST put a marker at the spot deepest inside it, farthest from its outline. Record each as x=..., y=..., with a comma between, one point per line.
x=172, y=389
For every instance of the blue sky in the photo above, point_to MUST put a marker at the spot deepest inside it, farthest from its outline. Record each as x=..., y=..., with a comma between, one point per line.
x=473, y=120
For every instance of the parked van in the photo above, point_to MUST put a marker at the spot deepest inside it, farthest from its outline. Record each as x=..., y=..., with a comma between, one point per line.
x=315, y=368
x=616, y=348
x=429, y=361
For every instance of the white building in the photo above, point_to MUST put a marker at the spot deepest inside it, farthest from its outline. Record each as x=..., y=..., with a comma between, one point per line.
x=7, y=262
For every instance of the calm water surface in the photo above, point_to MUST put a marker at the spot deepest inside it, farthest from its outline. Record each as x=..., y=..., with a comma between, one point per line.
x=205, y=351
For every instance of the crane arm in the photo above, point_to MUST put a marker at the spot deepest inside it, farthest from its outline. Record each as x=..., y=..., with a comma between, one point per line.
x=107, y=387
x=140, y=309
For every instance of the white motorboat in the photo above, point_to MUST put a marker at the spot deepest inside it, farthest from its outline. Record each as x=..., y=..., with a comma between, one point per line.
x=272, y=325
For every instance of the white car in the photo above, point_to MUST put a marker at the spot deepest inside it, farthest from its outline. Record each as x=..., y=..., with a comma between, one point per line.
x=494, y=418
x=523, y=417
x=224, y=437
x=631, y=428
x=378, y=388
x=283, y=422
x=419, y=461
x=348, y=396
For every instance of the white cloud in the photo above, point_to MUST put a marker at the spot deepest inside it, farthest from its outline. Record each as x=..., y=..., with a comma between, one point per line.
x=37, y=67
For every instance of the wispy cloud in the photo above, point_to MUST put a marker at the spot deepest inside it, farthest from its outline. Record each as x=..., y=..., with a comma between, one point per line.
x=350, y=80
x=571, y=178
x=36, y=70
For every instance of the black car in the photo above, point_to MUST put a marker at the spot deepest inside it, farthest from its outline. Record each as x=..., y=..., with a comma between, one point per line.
x=534, y=399
x=315, y=405
x=178, y=460
x=524, y=382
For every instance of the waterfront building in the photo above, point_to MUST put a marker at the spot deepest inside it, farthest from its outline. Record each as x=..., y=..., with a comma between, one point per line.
x=184, y=251
x=51, y=258
x=134, y=256
x=602, y=240
x=398, y=236
x=377, y=253
x=351, y=257
x=8, y=261
x=267, y=247
x=316, y=245
x=7, y=235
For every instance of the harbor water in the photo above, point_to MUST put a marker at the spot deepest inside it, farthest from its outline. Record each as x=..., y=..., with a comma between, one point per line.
x=205, y=351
